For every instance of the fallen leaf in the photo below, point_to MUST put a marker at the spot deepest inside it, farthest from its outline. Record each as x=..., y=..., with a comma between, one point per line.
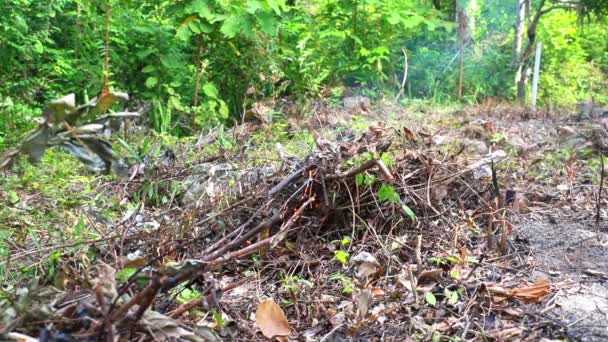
x=534, y=293
x=507, y=334
x=271, y=319
x=377, y=292
x=430, y=275
x=409, y=134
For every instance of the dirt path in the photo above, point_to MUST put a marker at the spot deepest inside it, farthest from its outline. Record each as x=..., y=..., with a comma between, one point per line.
x=569, y=254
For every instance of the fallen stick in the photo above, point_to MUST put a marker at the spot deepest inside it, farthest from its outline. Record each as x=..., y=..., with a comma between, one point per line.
x=354, y=171
x=287, y=180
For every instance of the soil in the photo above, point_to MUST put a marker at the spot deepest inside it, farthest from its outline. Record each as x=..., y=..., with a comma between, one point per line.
x=571, y=257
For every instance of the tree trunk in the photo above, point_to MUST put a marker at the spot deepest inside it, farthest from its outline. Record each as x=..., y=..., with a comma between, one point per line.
x=522, y=67
x=465, y=17
x=197, y=82
x=519, y=32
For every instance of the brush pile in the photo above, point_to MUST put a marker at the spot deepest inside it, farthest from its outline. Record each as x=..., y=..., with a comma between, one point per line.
x=383, y=236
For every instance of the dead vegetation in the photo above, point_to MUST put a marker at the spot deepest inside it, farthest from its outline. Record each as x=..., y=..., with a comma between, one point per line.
x=389, y=235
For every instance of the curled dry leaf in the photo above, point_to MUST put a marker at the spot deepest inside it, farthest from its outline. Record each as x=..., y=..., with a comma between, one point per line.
x=272, y=320
x=534, y=293
x=377, y=292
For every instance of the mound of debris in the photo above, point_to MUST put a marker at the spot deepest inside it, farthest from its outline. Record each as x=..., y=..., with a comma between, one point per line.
x=380, y=236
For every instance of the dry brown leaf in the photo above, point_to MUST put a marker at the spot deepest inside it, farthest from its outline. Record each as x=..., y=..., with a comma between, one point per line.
x=534, y=293
x=508, y=334
x=430, y=275
x=271, y=319
x=377, y=292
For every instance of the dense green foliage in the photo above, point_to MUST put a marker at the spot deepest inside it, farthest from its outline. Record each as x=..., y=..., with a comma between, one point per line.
x=203, y=62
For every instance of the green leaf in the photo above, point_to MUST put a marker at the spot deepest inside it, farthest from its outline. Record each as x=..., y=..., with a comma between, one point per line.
x=184, y=33
x=408, y=211
x=130, y=149
x=217, y=316
x=276, y=5
x=151, y=82
x=336, y=276
x=454, y=273
x=224, y=112
x=124, y=274
x=341, y=256
x=453, y=298
x=202, y=8
x=253, y=6
x=388, y=194
x=194, y=27
x=430, y=298
x=360, y=179
x=266, y=22
x=148, y=69
x=13, y=197
x=231, y=26
x=345, y=240
x=210, y=90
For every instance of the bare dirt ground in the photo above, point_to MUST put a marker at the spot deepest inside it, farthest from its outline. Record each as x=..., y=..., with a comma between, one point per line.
x=569, y=254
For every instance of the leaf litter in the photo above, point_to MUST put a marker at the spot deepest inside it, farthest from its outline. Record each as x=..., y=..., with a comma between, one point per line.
x=425, y=227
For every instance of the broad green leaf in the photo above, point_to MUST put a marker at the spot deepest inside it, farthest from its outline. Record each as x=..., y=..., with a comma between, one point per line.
x=148, y=69
x=454, y=273
x=231, y=26
x=253, y=6
x=453, y=298
x=210, y=90
x=387, y=193
x=124, y=274
x=202, y=7
x=151, y=82
x=193, y=25
x=184, y=33
x=224, y=112
x=276, y=5
x=145, y=53
x=341, y=256
x=266, y=22
x=430, y=298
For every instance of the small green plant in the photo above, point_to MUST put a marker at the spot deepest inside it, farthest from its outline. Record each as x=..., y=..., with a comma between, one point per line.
x=293, y=283
x=347, y=283
x=451, y=297
x=185, y=294
x=342, y=256
x=387, y=194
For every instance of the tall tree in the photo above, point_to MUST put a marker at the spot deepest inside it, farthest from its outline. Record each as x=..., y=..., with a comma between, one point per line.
x=465, y=17
x=519, y=31
x=583, y=7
